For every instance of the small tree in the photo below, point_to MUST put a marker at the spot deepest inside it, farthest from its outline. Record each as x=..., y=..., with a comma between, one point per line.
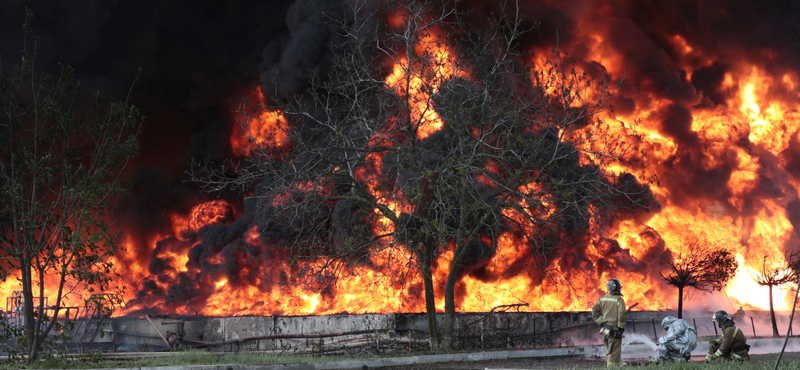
x=772, y=276
x=701, y=265
x=426, y=141
x=61, y=162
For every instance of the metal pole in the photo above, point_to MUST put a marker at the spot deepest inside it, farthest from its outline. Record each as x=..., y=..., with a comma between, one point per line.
x=790, y=324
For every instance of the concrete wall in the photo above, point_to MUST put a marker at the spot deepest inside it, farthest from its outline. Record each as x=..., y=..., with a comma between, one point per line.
x=472, y=330
x=485, y=328
x=225, y=329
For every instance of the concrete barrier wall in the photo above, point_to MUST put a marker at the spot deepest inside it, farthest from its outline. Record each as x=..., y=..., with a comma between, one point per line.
x=474, y=329
x=223, y=329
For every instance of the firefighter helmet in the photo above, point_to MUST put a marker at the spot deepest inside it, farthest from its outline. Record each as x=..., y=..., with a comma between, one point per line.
x=614, y=285
x=721, y=316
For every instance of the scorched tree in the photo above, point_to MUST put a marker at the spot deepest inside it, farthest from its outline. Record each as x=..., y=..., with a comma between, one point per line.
x=422, y=143
x=772, y=275
x=701, y=264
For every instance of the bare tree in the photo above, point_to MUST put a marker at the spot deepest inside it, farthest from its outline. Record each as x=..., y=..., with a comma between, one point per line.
x=61, y=162
x=772, y=275
x=425, y=142
x=700, y=264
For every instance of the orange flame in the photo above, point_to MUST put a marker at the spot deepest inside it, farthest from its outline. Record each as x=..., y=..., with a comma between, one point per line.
x=264, y=128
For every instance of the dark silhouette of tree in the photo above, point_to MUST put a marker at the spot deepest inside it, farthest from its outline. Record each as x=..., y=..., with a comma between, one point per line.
x=700, y=264
x=61, y=163
x=425, y=141
x=770, y=276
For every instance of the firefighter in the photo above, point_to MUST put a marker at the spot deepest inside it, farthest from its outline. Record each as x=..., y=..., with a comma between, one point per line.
x=680, y=341
x=609, y=312
x=731, y=345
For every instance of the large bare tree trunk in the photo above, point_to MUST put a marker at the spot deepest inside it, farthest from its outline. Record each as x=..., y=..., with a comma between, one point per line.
x=449, y=322
x=430, y=305
x=450, y=305
x=28, y=304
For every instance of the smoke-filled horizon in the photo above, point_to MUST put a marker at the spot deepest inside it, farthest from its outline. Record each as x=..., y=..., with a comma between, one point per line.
x=714, y=86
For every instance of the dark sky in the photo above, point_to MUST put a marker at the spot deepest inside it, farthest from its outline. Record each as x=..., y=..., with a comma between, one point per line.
x=195, y=55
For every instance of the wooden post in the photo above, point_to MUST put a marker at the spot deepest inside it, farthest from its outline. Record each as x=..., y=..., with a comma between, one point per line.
x=754, y=326
x=714, y=323
x=634, y=326
x=695, y=325
x=483, y=330
x=654, y=328
x=158, y=331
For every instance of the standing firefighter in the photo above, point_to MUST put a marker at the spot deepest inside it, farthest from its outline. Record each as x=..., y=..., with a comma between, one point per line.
x=680, y=341
x=609, y=312
x=732, y=344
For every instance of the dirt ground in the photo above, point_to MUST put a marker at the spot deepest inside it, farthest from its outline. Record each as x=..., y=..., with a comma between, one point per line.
x=563, y=363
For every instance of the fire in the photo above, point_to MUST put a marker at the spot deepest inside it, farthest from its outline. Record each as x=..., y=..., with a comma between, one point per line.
x=769, y=125
x=264, y=128
x=417, y=86
x=208, y=213
x=738, y=148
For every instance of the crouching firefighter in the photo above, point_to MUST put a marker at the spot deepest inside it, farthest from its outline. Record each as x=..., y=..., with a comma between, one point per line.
x=678, y=344
x=731, y=345
x=609, y=312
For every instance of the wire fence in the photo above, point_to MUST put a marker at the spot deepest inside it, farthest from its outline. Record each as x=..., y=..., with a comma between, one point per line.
x=473, y=331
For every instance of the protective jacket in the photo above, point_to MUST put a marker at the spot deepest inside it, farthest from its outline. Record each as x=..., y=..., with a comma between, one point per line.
x=679, y=342
x=610, y=310
x=731, y=342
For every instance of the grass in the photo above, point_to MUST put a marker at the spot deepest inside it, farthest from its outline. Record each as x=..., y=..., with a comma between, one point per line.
x=722, y=365
x=190, y=357
x=196, y=357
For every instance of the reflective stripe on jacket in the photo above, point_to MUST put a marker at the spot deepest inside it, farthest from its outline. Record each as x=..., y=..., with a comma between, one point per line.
x=731, y=337
x=610, y=309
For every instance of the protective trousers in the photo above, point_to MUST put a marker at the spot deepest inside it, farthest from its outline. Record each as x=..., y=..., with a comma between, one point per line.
x=669, y=351
x=613, y=350
x=713, y=346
